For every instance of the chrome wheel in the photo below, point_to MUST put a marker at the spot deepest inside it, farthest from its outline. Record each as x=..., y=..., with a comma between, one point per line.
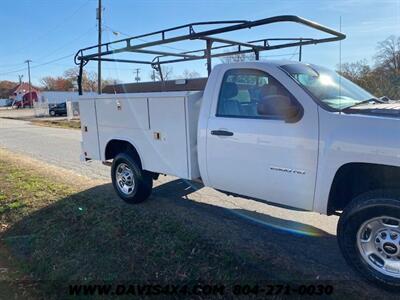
x=125, y=179
x=378, y=241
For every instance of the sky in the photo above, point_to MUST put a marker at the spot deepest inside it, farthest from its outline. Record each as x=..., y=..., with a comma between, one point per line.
x=49, y=32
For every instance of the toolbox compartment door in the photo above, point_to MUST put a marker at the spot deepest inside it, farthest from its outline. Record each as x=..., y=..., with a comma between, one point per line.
x=90, y=137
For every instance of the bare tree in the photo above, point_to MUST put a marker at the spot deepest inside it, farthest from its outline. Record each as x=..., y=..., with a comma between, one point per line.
x=167, y=73
x=355, y=71
x=59, y=83
x=189, y=74
x=89, y=79
x=388, y=56
x=384, y=78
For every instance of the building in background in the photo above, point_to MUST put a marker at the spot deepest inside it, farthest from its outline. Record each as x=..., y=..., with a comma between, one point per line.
x=20, y=97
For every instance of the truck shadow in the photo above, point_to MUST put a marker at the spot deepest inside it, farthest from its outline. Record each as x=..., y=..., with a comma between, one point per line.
x=183, y=188
x=93, y=233
x=300, y=240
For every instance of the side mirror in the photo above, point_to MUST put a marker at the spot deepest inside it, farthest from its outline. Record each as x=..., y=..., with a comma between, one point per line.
x=280, y=106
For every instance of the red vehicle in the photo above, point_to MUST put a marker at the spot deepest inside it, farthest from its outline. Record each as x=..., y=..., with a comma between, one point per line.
x=26, y=100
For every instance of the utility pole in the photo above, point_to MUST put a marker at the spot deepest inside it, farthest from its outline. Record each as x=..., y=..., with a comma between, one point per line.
x=137, y=78
x=99, y=13
x=20, y=78
x=28, y=61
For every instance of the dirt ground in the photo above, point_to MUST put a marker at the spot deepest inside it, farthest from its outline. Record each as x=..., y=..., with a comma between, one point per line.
x=28, y=114
x=22, y=114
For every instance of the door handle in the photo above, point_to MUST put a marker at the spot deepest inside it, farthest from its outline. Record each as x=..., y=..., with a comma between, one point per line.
x=221, y=132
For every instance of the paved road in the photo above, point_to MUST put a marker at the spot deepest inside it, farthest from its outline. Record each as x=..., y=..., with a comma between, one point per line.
x=56, y=146
x=61, y=147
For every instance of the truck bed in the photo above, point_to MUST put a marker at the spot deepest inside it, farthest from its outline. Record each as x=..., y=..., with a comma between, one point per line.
x=161, y=126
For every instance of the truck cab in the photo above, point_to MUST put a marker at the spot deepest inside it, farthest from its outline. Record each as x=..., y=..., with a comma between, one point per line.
x=260, y=117
x=258, y=134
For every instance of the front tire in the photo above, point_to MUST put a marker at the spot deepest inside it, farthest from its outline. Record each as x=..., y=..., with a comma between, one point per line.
x=369, y=237
x=131, y=183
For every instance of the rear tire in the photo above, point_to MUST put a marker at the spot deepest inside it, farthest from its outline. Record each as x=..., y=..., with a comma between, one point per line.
x=131, y=183
x=369, y=237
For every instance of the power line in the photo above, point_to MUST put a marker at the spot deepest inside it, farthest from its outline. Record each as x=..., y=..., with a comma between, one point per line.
x=54, y=60
x=141, y=39
x=53, y=29
x=11, y=65
x=40, y=65
x=51, y=53
x=68, y=43
x=11, y=72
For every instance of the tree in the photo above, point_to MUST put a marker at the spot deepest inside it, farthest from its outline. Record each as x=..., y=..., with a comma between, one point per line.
x=360, y=73
x=5, y=88
x=355, y=71
x=388, y=56
x=89, y=79
x=56, y=83
x=384, y=78
x=189, y=74
x=167, y=73
x=68, y=82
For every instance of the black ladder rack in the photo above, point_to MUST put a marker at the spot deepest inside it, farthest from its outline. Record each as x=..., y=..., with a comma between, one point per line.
x=137, y=44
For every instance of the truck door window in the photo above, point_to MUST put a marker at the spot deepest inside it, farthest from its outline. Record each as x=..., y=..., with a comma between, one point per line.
x=248, y=93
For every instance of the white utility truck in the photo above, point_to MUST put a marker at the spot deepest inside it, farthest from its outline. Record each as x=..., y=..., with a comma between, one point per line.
x=290, y=133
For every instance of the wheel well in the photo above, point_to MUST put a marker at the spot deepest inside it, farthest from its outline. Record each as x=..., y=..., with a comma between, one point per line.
x=114, y=147
x=354, y=179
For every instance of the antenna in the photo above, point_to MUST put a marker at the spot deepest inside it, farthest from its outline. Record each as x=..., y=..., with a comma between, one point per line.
x=300, y=49
x=340, y=61
x=98, y=17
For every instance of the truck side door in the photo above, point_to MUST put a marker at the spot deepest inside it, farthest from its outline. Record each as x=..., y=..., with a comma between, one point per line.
x=253, y=149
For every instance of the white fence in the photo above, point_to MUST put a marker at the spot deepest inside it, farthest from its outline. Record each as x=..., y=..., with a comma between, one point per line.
x=72, y=110
x=41, y=109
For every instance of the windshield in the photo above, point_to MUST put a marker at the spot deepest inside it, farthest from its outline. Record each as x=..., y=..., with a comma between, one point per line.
x=327, y=86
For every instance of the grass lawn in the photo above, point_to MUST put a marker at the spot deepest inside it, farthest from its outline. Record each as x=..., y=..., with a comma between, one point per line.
x=59, y=234
x=54, y=232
